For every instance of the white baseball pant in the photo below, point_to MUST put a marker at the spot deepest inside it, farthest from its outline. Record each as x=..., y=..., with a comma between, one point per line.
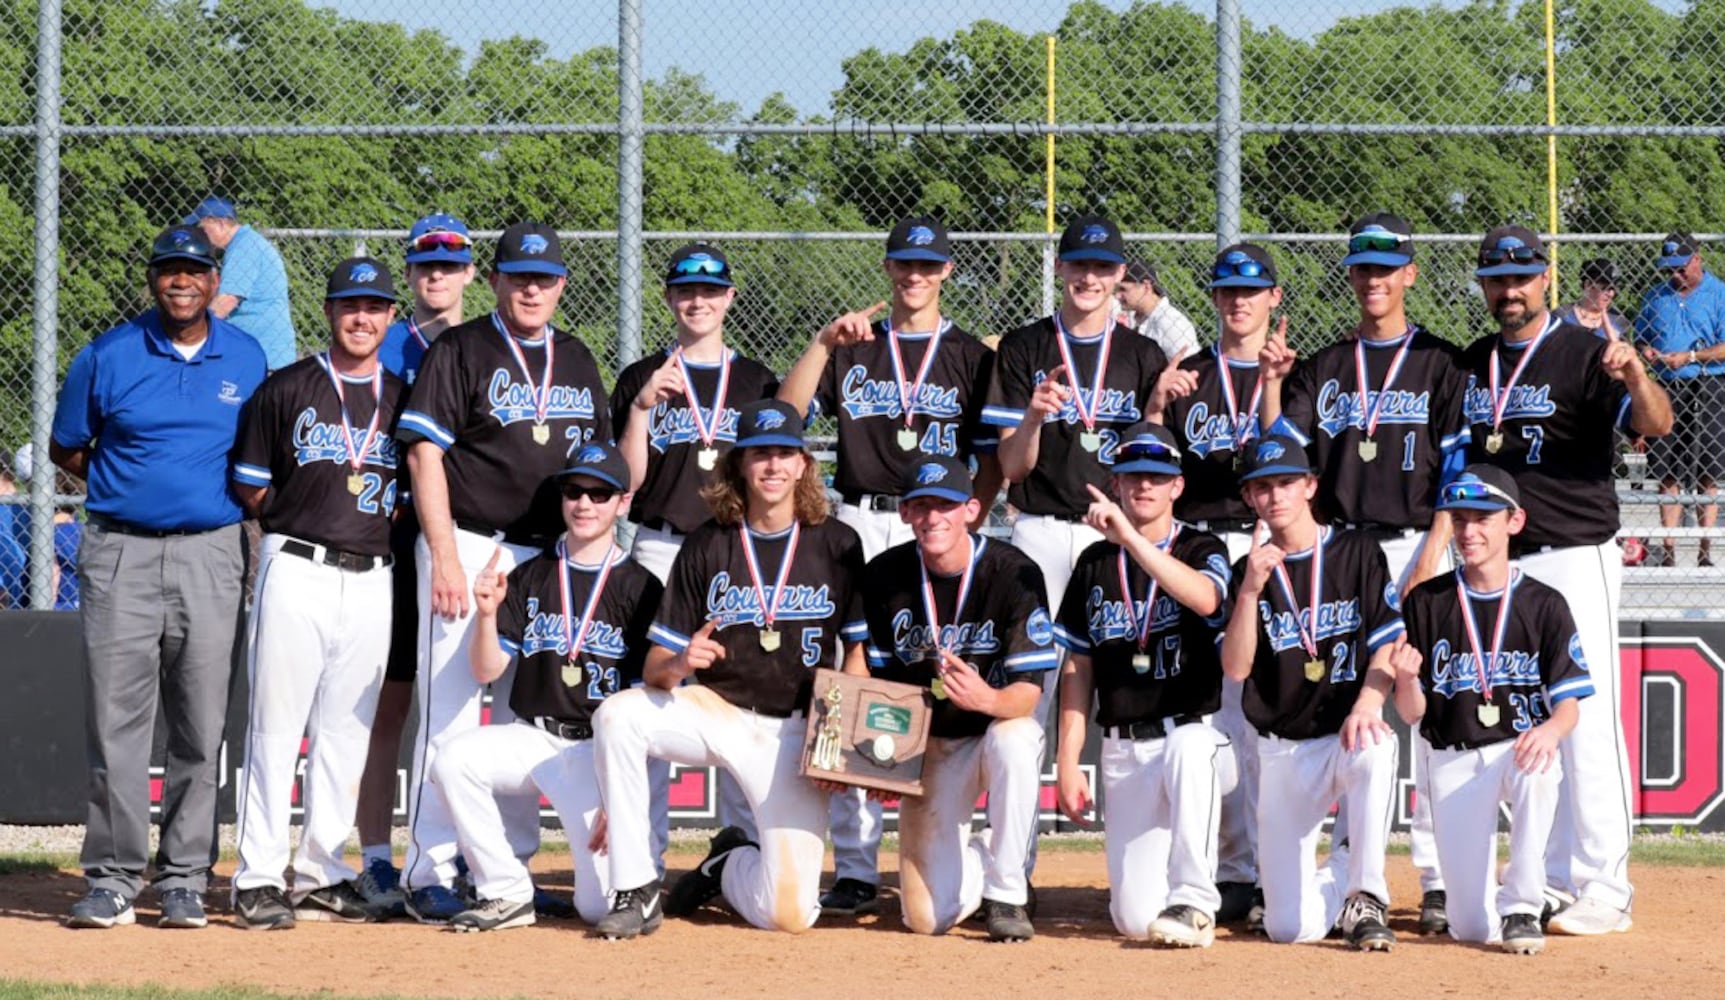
x=1237, y=834
x=449, y=705
x=315, y=653
x=1589, y=852
x=1466, y=787
x=1300, y=780
x=775, y=886
x=1160, y=802
x=944, y=872
x=473, y=770
x=656, y=549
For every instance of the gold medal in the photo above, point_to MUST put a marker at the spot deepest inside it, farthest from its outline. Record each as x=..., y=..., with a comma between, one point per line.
x=541, y=434
x=1368, y=450
x=1494, y=442
x=1314, y=670
x=770, y=639
x=356, y=484
x=571, y=674
x=1090, y=441
x=1489, y=714
x=906, y=439
x=1141, y=663
x=937, y=687
x=706, y=458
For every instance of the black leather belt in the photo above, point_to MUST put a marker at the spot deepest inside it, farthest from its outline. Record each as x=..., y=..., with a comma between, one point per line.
x=353, y=562
x=566, y=730
x=529, y=541
x=1226, y=525
x=1149, y=729
x=107, y=523
x=872, y=501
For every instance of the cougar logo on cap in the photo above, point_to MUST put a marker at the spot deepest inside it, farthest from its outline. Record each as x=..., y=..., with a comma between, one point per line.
x=590, y=454
x=181, y=237
x=930, y=473
x=766, y=420
x=364, y=274
x=1269, y=451
x=534, y=243
x=919, y=236
x=1236, y=257
x=1095, y=234
x=1509, y=242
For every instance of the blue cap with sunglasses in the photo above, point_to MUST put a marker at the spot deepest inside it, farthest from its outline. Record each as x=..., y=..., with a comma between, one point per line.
x=936, y=476
x=601, y=460
x=1243, y=265
x=439, y=237
x=1480, y=487
x=1511, y=250
x=699, y=264
x=1276, y=455
x=1147, y=448
x=1675, y=251
x=1380, y=238
x=769, y=422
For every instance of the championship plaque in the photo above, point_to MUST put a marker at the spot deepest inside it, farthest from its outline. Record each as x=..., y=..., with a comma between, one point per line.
x=867, y=732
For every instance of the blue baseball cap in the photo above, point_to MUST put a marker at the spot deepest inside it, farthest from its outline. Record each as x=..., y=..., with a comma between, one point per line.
x=699, y=264
x=359, y=277
x=1147, y=448
x=599, y=459
x=186, y=242
x=1093, y=237
x=439, y=236
x=1380, y=238
x=936, y=476
x=1243, y=265
x=1276, y=455
x=1676, y=249
x=1511, y=250
x=1480, y=487
x=919, y=237
x=211, y=208
x=768, y=422
x=530, y=248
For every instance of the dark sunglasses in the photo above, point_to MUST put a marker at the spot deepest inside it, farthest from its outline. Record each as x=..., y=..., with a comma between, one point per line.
x=1380, y=242
x=597, y=494
x=439, y=239
x=700, y=265
x=1134, y=450
x=1515, y=255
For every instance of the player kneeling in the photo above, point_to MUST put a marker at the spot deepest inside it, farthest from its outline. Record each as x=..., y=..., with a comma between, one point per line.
x=1494, y=715
x=1310, y=634
x=576, y=618
x=1139, y=622
x=966, y=616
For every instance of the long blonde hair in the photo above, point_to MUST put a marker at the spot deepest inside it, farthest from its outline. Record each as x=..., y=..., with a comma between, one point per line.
x=727, y=494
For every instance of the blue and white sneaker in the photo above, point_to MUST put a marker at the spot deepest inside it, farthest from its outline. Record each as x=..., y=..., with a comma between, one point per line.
x=380, y=885
x=434, y=904
x=102, y=908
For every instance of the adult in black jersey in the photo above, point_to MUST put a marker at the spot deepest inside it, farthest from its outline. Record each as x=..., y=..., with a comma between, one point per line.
x=966, y=616
x=906, y=387
x=1380, y=414
x=1140, y=623
x=575, y=617
x=758, y=597
x=1543, y=401
x=1492, y=673
x=498, y=403
x=316, y=463
x=1310, y=635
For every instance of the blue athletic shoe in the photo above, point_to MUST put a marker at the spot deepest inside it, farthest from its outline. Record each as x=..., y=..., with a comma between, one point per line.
x=380, y=885
x=434, y=904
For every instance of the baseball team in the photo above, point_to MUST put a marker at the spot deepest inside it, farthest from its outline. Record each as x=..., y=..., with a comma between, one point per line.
x=1231, y=560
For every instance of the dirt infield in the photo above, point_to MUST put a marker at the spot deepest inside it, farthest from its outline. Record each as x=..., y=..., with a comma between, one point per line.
x=1671, y=953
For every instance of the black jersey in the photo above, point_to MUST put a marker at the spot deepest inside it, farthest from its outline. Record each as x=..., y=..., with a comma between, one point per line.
x=1358, y=612
x=292, y=440
x=1418, y=426
x=671, y=491
x=473, y=400
x=819, y=606
x=1182, y=674
x=1063, y=466
x=1207, y=432
x=1003, y=630
x=1556, y=436
x=533, y=624
x=1539, y=664
x=860, y=387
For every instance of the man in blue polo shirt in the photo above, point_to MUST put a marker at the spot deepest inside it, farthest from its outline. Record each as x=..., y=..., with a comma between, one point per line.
x=254, y=292
x=147, y=416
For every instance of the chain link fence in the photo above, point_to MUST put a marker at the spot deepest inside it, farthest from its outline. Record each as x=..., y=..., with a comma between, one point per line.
x=794, y=134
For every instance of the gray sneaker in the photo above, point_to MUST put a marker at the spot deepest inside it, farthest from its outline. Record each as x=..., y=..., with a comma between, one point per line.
x=264, y=908
x=634, y=912
x=493, y=915
x=102, y=908
x=1007, y=921
x=182, y=908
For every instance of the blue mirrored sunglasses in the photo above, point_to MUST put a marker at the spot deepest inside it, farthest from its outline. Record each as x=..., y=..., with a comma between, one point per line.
x=1475, y=490
x=700, y=265
x=1244, y=269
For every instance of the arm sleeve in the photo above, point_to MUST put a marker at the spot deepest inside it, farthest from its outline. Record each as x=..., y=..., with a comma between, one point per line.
x=1298, y=393
x=853, y=625
x=983, y=437
x=629, y=669
x=254, y=450
x=880, y=650
x=825, y=401
x=1010, y=388
x=1604, y=392
x=1030, y=647
x=241, y=267
x=1209, y=556
x=512, y=613
x=1562, y=661
x=1448, y=423
x=1380, y=599
x=1072, y=624
x=682, y=609
x=623, y=399
x=78, y=413
x=437, y=410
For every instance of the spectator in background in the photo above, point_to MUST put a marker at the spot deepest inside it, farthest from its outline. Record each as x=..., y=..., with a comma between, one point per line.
x=1681, y=330
x=68, y=535
x=254, y=292
x=14, y=535
x=1141, y=293
x=1598, y=292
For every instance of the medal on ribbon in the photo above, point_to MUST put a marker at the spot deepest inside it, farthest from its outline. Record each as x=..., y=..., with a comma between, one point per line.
x=541, y=395
x=1090, y=439
x=1489, y=713
x=909, y=395
x=707, y=425
x=355, y=453
x=1500, y=396
x=1308, y=629
x=1141, y=622
x=937, y=687
x=574, y=634
x=1372, y=411
x=770, y=638
x=1238, y=420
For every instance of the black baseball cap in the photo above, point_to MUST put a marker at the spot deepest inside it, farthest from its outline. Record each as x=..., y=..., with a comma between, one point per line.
x=1676, y=249
x=768, y=422
x=1511, y=250
x=1276, y=455
x=1480, y=487
x=1243, y=265
x=699, y=264
x=1599, y=271
x=1092, y=237
x=1147, y=448
x=1380, y=238
x=601, y=460
x=936, y=476
x=185, y=242
x=529, y=248
x=919, y=237
x=359, y=277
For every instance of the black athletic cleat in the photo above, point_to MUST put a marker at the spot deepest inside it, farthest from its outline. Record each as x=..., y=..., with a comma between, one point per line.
x=339, y=903
x=1521, y=934
x=1182, y=926
x=634, y=912
x=1236, y=901
x=264, y=908
x=1007, y=921
x=1434, y=917
x=850, y=897
x=702, y=884
x=493, y=915
x=1363, y=923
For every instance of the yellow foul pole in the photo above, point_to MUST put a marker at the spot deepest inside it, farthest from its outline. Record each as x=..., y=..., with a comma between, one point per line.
x=1049, y=193
x=1551, y=138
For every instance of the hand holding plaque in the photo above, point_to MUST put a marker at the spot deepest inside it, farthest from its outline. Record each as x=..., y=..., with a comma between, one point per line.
x=867, y=732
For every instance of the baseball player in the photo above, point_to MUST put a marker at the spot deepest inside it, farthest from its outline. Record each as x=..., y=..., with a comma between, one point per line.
x=1310, y=636
x=1543, y=400
x=316, y=464
x=576, y=616
x=496, y=406
x=758, y=597
x=1214, y=418
x=909, y=386
x=1140, y=623
x=439, y=269
x=965, y=616
x=1380, y=414
x=1492, y=671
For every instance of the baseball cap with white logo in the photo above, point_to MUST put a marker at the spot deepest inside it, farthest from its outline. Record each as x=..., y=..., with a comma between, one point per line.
x=1092, y=237
x=919, y=237
x=936, y=476
x=768, y=422
x=598, y=459
x=1276, y=455
x=360, y=276
x=530, y=248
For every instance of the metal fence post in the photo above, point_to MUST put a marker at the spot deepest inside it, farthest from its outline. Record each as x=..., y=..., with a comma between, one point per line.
x=45, y=370
x=1228, y=67
x=630, y=132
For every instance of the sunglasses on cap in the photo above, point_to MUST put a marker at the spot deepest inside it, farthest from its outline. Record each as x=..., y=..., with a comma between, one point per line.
x=1243, y=269
x=1379, y=242
x=1133, y=451
x=597, y=494
x=439, y=239
x=1515, y=255
x=1474, y=490
x=700, y=265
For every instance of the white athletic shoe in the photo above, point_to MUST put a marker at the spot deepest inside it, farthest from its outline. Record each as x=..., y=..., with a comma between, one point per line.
x=1182, y=926
x=1588, y=917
